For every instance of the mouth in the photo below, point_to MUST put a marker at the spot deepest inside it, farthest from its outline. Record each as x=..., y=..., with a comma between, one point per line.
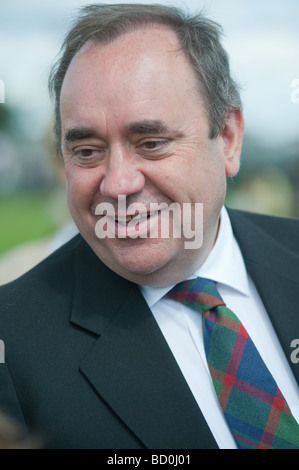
x=138, y=218
x=137, y=225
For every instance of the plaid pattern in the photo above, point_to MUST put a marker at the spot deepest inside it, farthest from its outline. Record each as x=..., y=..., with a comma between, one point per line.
x=255, y=410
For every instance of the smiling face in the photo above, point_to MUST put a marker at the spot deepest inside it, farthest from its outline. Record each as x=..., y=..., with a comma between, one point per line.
x=134, y=125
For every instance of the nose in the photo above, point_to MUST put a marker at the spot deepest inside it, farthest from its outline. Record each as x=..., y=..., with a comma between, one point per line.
x=122, y=176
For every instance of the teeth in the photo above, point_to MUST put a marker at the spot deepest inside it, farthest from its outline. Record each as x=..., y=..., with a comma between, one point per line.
x=123, y=220
x=137, y=216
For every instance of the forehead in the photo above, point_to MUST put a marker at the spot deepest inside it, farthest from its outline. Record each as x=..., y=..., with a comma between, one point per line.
x=143, y=74
x=152, y=51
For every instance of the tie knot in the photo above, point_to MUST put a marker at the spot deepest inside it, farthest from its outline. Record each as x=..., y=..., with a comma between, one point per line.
x=200, y=294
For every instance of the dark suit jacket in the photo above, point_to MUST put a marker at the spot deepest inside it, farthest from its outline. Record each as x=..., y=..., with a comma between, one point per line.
x=86, y=364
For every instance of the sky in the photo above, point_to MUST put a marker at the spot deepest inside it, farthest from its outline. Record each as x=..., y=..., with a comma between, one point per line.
x=261, y=37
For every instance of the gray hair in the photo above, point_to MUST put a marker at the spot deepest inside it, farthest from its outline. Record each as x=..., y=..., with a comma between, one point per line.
x=199, y=38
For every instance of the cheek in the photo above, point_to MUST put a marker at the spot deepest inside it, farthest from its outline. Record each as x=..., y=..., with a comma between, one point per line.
x=174, y=177
x=81, y=182
x=183, y=180
x=81, y=187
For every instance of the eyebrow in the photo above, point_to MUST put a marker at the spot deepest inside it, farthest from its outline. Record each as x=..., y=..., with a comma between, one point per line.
x=148, y=127
x=143, y=127
x=79, y=133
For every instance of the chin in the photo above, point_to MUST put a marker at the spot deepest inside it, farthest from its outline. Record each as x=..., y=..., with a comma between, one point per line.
x=141, y=260
x=129, y=268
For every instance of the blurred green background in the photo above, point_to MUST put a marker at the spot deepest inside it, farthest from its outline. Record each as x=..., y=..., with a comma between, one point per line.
x=32, y=199
x=28, y=216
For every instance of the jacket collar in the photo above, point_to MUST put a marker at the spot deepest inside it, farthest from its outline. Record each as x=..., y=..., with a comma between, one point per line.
x=130, y=365
x=98, y=292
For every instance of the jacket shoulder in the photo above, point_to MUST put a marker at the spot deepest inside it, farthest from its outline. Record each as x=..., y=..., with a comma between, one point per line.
x=49, y=272
x=284, y=230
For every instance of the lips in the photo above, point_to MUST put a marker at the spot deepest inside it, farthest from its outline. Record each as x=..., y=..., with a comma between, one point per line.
x=132, y=226
x=125, y=220
x=130, y=221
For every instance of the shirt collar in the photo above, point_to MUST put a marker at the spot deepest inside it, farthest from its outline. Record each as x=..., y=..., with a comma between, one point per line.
x=224, y=265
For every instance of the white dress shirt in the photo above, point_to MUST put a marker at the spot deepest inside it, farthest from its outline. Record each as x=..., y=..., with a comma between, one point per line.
x=182, y=329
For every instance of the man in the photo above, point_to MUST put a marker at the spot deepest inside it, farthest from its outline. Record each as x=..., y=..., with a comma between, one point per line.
x=96, y=355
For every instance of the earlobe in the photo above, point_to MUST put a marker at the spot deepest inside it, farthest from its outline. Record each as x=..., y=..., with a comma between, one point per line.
x=232, y=165
x=232, y=135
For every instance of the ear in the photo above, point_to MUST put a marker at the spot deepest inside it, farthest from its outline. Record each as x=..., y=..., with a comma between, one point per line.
x=232, y=136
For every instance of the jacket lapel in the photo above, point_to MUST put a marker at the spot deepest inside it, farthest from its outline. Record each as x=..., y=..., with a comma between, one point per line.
x=275, y=272
x=130, y=365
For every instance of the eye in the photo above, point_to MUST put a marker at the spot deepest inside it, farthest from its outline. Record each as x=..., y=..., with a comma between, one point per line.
x=152, y=144
x=88, y=156
x=84, y=153
x=154, y=149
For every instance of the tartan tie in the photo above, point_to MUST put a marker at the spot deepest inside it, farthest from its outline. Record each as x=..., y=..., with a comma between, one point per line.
x=254, y=408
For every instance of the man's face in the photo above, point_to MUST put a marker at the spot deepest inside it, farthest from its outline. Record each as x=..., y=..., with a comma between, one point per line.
x=134, y=125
